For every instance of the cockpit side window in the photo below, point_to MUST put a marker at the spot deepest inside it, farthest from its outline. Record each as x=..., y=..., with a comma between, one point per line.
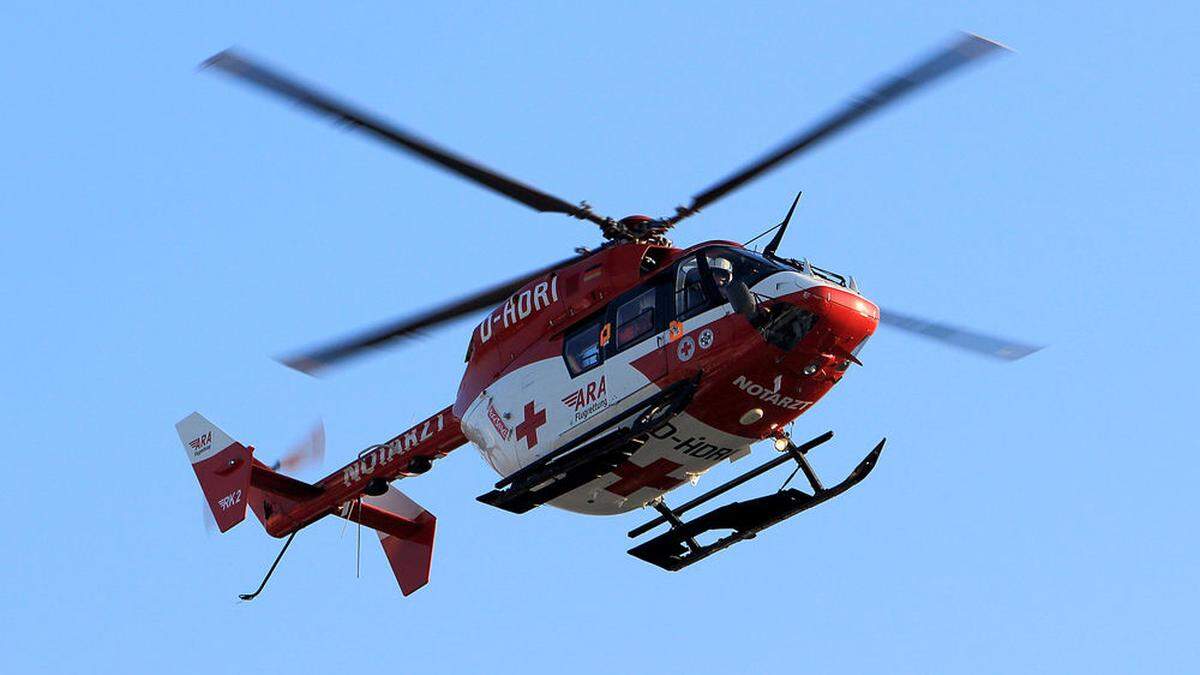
x=748, y=266
x=690, y=298
x=726, y=266
x=581, y=346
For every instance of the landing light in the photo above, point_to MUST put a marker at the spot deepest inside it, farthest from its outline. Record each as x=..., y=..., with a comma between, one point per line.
x=752, y=415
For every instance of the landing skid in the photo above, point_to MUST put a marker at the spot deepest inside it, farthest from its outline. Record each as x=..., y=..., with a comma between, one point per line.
x=677, y=547
x=590, y=456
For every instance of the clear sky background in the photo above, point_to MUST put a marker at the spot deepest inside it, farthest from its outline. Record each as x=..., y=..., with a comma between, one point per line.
x=165, y=232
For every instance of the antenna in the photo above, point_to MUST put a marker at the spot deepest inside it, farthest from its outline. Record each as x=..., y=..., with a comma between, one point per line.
x=769, y=251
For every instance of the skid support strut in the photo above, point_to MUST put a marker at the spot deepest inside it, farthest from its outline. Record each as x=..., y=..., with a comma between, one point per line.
x=678, y=547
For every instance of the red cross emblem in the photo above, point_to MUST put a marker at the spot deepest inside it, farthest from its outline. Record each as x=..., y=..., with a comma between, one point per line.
x=687, y=347
x=528, y=427
x=634, y=477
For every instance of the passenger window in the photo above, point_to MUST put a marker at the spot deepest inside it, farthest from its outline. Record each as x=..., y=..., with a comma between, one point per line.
x=635, y=319
x=581, y=347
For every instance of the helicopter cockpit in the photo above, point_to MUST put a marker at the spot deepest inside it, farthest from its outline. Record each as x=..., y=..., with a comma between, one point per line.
x=727, y=266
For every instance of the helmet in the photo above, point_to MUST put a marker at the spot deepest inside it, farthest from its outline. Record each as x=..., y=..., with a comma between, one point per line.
x=722, y=270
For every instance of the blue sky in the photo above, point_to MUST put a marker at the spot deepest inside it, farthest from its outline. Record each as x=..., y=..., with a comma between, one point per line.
x=165, y=232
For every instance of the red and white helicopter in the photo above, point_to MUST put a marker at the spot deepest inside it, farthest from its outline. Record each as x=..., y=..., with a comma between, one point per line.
x=602, y=382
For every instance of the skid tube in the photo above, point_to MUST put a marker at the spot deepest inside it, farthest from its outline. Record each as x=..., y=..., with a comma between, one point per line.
x=677, y=547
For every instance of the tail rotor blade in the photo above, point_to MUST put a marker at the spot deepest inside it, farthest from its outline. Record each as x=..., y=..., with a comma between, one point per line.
x=310, y=451
x=210, y=523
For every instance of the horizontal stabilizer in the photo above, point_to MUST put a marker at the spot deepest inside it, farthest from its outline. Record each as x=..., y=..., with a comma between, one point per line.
x=222, y=466
x=267, y=480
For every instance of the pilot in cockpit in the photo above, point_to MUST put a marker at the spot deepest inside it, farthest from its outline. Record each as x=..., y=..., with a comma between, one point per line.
x=693, y=291
x=722, y=271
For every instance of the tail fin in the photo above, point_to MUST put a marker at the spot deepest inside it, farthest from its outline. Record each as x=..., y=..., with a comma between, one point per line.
x=222, y=466
x=406, y=532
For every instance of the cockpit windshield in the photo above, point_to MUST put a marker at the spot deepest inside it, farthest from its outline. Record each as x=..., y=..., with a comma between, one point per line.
x=747, y=266
x=727, y=266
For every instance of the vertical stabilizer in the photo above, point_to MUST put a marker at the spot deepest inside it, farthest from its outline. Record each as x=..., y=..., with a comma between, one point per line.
x=222, y=466
x=407, y=537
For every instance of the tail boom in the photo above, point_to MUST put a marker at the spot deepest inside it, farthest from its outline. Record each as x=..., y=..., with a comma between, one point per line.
x=232, y=479
x=408, y=453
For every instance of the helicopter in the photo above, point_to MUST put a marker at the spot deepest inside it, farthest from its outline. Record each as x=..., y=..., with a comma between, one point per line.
x=602, y=382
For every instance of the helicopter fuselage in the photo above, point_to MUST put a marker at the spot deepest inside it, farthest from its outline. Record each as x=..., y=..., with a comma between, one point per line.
x=571, y=351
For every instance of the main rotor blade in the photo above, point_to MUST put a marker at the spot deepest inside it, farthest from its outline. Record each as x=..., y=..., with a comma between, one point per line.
x=243, y=68
x=321, y=357
x=954, y=336
x=964, y=50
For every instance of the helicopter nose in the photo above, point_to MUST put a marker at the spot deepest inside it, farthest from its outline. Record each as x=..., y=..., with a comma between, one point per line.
x=850, y=311
x=849, y=317
x=840, y=321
